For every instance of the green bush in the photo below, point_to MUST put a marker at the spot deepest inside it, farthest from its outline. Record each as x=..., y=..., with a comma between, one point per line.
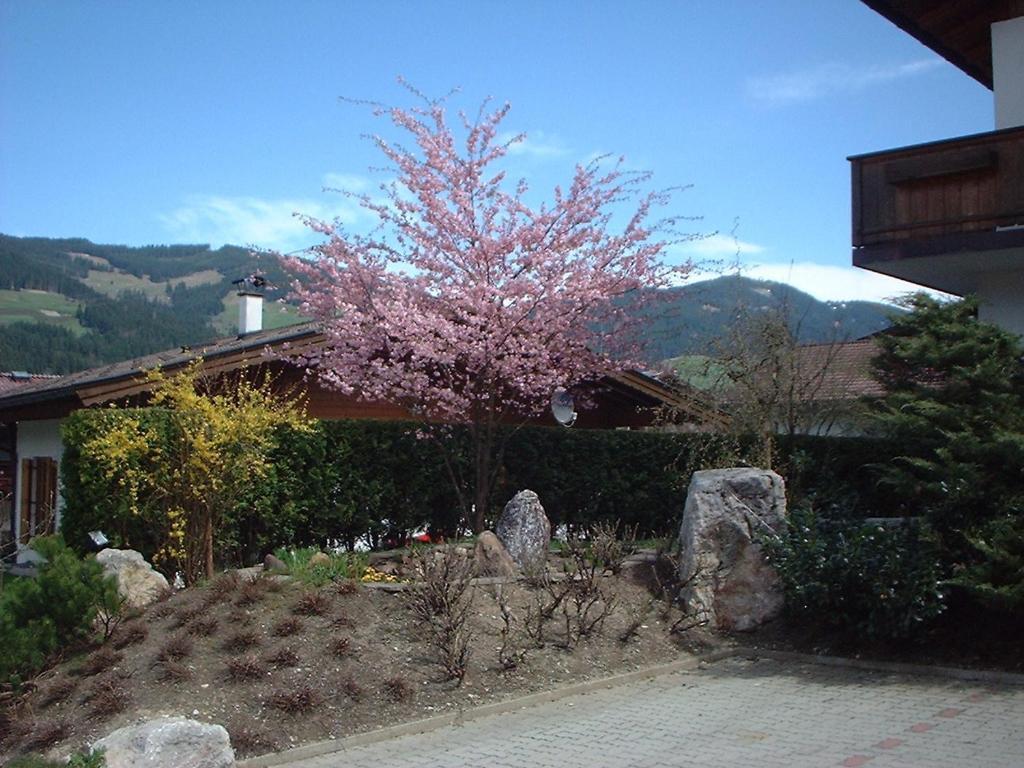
x=54, y=610
x=996, y=578
x=375, y=481
x=872, y=581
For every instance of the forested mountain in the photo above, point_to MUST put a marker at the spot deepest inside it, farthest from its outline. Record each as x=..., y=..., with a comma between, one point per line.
x=689, y=319
x=69, y=304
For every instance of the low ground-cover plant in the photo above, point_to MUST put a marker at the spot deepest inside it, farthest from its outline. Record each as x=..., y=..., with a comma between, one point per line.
x=56, y=609
x=77, y=760
x=876, y=582
x=337, y=567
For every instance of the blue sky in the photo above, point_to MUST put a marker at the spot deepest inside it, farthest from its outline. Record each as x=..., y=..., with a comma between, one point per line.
x=161, y=122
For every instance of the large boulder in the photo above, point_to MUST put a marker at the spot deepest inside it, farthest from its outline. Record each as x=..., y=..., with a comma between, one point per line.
x=525, y=531
x=137, y=582
x=168, y=742
x=490, y=557
x=728, y=577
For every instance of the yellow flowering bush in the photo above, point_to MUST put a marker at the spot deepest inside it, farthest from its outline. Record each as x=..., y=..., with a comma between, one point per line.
x=187, y=460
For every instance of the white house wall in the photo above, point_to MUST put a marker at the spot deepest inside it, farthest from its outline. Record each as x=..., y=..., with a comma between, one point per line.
x=1008, y=72
x=37, y=439
x=1001, y=300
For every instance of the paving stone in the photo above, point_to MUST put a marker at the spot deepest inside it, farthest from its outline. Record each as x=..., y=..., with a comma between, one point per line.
x=734, y=712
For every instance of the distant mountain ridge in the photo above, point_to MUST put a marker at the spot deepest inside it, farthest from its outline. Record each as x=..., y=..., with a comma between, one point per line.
x=68, y=304
x=688, y=319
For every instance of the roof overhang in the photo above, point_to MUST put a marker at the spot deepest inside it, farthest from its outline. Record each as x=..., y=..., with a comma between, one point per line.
x=957, y=30
x=128, y=382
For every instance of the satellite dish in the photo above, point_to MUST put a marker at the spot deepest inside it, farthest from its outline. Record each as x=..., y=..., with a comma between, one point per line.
x=562, y=408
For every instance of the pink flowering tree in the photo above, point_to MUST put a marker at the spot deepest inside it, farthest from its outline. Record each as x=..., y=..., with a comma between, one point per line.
x=467, y=304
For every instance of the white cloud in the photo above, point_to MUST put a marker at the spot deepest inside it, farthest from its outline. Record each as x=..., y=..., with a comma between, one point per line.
x=262, y=222
x=825, y=79
x=829, y=282
x=718, y=245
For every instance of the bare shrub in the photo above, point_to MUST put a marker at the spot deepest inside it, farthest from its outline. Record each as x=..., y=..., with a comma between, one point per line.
x=398, y=689
x=341, y=620
x=108, y=696
x=352, y=689
x=271, y=584
x=239, y=618
x=510, y=653
x=130, y=633
x=585, y=601
x=296, y=700
x=99, y=661
x=250, y=593
x=12, y=727
x=241, y=641
x=245, y=668
x=248, y=741
x=441, y=600
x=283, y=657
x=178, y=647
x=186, y=614
x=637, y=613
x=670, y=589
x=161, y=610
x=340, y=647
x=287, y=627
x=202, y=627
x=45, y=734
x=607, y=549
x=170, y=671
x=347, y=587
x=311, y=604
x=58, y=691
x=111, y=613
x=221, y=589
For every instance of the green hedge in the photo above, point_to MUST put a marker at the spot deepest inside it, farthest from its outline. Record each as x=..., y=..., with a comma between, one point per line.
x=351, y=480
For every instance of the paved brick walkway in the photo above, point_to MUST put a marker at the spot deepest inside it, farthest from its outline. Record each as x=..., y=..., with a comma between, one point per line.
x=762, y=714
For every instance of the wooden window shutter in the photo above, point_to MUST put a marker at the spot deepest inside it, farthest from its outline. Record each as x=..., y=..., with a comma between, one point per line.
x=38, y=497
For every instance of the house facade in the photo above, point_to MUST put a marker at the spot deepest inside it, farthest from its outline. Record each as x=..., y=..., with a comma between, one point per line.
x=949, y=214
x=31, y=415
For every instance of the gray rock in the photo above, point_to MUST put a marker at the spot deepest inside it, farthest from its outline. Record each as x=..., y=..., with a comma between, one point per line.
x=272, y=563
x=168, y=742
x=525, y=531
x=137, y=582
x=491, y=558
x=727, y=512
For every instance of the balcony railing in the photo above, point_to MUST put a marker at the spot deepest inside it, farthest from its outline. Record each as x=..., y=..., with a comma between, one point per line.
x=966, y=185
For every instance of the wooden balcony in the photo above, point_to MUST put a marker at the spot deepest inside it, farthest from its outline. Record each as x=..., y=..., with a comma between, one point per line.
x=946, y=196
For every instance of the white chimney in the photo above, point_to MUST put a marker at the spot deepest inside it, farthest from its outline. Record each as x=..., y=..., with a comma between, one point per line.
x=250, y=313
x=250, y=303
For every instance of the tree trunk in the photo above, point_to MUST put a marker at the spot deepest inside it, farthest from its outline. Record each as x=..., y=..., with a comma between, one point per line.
x=208, y=545
x=481, y=499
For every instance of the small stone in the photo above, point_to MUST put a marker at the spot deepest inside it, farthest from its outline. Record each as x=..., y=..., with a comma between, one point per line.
x=319, y=559
x=137, y=582
x=273, y=563
x=490, y=558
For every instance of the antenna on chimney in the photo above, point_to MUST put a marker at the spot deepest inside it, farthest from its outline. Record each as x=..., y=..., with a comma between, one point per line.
x=250, y=302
